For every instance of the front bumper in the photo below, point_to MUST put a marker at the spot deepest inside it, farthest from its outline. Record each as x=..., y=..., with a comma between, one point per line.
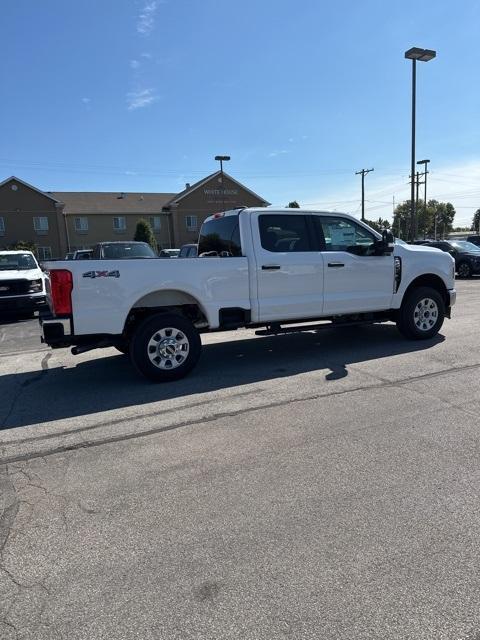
x=22, y=303
x=453, y=296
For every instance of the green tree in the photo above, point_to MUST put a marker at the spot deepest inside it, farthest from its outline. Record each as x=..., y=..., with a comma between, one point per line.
x=402, y=220
x=445, y=214
x=26, y=245
x=144, y=233
x=442, y=212
x=476, y=221
x=379, y=225
x=293, y=205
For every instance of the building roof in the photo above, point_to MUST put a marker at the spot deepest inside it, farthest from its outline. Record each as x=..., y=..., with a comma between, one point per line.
x=29, y=186
x=81, y=202
x=177, y=197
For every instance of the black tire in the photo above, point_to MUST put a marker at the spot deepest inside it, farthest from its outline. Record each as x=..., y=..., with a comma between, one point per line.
x=464, y=270
x=157, y=332
x=417, y=320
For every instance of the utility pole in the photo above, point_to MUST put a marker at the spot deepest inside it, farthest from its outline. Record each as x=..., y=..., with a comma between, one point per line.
x=363, y=173
x=425, y=172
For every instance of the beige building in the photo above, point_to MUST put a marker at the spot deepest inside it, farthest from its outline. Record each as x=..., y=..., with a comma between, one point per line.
x=58, y=222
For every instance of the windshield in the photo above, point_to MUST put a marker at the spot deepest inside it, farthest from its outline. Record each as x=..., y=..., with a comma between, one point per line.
x=17, y=262
x=127, y=250
x=463, y=245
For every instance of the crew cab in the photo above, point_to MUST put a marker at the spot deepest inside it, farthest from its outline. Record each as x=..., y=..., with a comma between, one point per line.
x=257, y=268
x=22, y=283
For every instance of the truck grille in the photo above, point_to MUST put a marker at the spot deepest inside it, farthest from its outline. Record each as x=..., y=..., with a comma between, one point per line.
x=14, y=287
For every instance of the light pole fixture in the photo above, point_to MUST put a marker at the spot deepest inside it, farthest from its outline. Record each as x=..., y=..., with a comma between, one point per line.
x=422, y=55
x=425, y=171
x=222, y=159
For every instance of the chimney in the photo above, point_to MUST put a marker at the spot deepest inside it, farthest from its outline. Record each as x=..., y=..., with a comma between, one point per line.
x=187, y=185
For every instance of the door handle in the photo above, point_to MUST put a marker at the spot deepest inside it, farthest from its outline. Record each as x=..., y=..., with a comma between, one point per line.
x=270, y=267
x=336, y=264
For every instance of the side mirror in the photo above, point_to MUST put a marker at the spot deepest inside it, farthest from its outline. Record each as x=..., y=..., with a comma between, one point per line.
x=385, y=245
x=388, y=238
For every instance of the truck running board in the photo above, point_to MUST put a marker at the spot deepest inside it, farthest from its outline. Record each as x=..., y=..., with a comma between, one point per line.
x=276, y=329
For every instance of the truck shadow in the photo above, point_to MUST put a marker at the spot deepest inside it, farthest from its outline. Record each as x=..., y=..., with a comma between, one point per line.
x=109, y=383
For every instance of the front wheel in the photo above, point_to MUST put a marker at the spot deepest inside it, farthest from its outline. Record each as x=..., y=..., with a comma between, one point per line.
x=165, y=347
x=422, y=314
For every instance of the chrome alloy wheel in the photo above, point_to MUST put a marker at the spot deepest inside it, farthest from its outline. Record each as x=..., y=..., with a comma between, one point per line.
x=425, y=314
x=168, y=348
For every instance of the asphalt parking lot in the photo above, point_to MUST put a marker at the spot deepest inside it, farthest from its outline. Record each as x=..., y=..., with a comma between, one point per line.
x=309, y=486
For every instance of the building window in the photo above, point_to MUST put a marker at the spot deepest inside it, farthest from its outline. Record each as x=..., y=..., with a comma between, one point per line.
x=81, y=225
x=156, y=223
x=40, y=224
x=44, y=253
x=191, y=223
x=2, y=226
x=119, y=224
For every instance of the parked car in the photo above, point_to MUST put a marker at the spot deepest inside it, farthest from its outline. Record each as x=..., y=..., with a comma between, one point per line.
x=474, y=240
x=22, y=283
x=122, y=250
x=271, y=268
x=80, y=254
x=188, y=251
x=169, y=253
x=465, y=254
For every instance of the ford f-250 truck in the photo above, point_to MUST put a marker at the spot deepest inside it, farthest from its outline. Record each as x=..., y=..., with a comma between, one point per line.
x=256, y=268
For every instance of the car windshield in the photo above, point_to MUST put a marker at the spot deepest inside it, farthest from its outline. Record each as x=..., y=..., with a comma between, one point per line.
x=463, y=245
x=125, y=251
x=17, y=262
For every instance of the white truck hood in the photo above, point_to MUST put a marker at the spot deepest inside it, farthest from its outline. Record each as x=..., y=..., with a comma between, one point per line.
x=23, y=274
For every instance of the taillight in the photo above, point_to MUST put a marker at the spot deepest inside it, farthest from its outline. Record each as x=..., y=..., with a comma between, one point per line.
x=61, y=285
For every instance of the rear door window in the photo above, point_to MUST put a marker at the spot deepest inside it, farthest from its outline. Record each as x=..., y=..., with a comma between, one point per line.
x=221, y=236
x=285, y=233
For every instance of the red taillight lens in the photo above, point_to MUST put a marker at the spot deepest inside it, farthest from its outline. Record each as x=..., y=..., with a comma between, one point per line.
x=61, y=284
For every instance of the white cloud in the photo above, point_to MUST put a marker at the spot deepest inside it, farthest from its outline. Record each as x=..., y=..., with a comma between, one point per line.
x=140, y=99
x=146, y=55
x=134, y=64
x=86, y=100
x=146, y=18
x=273, y=154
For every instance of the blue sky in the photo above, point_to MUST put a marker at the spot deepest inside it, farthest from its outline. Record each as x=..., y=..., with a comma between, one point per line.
x=140, y=95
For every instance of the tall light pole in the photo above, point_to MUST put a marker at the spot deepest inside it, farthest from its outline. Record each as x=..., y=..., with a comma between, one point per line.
x=222, y=159
x=423, y=55
x=425, y=171
x=363, y=173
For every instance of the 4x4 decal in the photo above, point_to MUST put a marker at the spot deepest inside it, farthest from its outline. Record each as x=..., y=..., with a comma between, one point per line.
x=101, y=274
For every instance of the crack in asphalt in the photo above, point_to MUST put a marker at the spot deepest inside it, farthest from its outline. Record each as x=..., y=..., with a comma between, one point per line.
x=218, y=416
x=23, y=385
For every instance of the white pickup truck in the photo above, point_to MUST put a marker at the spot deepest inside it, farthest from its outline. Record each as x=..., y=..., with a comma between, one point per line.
x=256, y=268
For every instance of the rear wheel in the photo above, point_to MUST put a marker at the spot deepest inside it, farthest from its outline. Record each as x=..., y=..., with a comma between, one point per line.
x=422, y=314
x=165, y=347
x=464, y=270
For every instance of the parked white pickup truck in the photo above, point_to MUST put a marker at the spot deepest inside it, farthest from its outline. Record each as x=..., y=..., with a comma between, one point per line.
x=22, y=283
x=256, y=268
